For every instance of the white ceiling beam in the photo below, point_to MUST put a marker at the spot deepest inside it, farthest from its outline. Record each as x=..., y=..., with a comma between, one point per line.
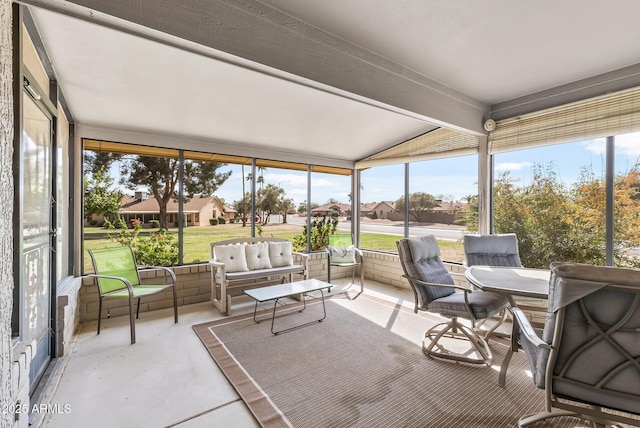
x=255, y=32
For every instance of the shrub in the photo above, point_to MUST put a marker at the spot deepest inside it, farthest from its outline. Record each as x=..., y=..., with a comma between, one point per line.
x=154, y=224
x=321, y=228
x=222, y=220
x=158, y=249
x=213, y=221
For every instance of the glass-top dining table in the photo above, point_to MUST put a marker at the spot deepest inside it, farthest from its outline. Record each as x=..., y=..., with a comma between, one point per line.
x=511, y=282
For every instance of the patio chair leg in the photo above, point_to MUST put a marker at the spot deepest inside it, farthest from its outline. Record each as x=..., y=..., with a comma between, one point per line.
x=132, y=320
x=99, y=312
x=175, y=304
x=138, y=309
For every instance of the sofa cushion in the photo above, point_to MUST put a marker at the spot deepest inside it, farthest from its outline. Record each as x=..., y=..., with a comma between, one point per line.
x=281, y=253
x=258, y=256
x=341, y=255
x=233, y=257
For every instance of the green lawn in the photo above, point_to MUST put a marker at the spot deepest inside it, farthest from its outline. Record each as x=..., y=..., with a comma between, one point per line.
x=197, y=240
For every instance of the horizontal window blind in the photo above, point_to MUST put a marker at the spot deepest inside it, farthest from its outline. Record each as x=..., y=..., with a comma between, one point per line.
x=134, y=149
x=607, y=115
x=437, y=144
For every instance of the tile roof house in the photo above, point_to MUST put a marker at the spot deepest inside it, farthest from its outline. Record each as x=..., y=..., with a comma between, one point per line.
x=383, y=209
x=327, y=209
x=197, y=211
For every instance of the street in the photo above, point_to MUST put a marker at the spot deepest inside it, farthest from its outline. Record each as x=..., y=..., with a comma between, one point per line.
x=443, y=232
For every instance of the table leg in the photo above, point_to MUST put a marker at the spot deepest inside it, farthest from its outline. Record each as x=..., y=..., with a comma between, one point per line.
x=324, y=310
x=513, y=348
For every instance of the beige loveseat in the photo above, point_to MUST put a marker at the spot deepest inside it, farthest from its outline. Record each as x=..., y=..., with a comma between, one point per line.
x=239, y=264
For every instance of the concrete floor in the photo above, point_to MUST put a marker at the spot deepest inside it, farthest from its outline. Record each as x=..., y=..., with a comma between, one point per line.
x=167, y=379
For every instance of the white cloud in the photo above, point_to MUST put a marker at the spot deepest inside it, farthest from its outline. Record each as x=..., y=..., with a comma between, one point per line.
x=626, y=145
x=512, y=166
x=597, y=146
x=629, y=144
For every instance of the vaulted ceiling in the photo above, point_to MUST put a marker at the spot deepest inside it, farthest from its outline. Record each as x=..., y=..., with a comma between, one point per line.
x=330, y=81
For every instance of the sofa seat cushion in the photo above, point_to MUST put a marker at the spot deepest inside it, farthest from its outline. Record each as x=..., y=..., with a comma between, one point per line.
x=262, y=273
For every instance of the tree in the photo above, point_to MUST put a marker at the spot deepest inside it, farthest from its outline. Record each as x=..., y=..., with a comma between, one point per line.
x=260, y=178
x=240, y=206
x=420, y=204
x=268, y=200
x=160, y=176
x=285, y=205
x=539, y=215
x=99, y=197
x=556, y=223
x=99, y=162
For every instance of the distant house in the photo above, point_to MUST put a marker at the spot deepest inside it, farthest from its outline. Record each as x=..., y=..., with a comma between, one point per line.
x=197, y=211
x=384, y=209
x=366, y=210
x=328, y=209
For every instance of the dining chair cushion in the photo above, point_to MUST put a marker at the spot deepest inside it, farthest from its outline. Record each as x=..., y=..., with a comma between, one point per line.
x=483, y=304
x=492, y=250
x=425, y=265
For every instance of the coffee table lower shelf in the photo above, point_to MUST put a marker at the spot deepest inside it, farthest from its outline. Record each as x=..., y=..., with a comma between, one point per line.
x=289, y=289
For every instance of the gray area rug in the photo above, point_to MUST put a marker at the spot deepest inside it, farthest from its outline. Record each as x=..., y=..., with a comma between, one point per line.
x=363, y=367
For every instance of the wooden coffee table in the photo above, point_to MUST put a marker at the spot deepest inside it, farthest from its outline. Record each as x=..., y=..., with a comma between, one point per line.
x=289, y=289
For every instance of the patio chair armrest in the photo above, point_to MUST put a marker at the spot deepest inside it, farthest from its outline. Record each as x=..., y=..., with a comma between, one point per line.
x=164, y=268
x=458, y=274
x=431, y=284
x=216, y=264
x=527, y=329
x=123, y=280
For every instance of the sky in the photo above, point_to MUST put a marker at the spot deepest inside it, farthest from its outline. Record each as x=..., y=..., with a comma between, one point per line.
x=451, y=178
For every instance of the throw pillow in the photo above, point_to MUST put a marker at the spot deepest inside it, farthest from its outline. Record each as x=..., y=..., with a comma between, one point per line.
x=233, y=257
x=342, y=255
x=258, y=256
x=281, y=253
